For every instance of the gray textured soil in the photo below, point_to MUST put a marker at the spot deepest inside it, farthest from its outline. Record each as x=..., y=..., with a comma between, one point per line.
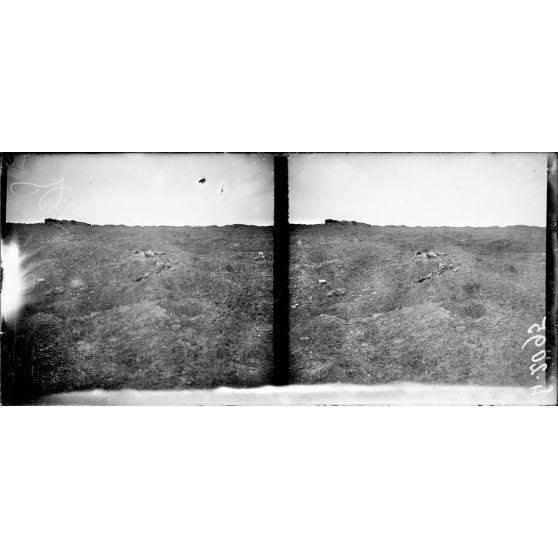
x=385, y=314
x=197, y=315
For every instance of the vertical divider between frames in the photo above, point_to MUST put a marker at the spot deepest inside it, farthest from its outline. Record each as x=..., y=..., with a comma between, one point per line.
x=281, y=242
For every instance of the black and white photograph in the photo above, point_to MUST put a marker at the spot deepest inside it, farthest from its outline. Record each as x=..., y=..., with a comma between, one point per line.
x=127, y=272
x=169, y=279
x=278, y=279
x=422, y=275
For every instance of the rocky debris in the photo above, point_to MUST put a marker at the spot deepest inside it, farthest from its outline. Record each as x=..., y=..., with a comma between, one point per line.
x=295, y=306
x=337, y=292
x=175, y=327
x=322, y=281
x=377, y=315
x=161, y=266
x=305, y=339
x=443, y=267
x=460, y=328
x=336, y=222
x=65, y=222
x=142, y=254
x=424, y=277
x=425, y=255
x=259, y=257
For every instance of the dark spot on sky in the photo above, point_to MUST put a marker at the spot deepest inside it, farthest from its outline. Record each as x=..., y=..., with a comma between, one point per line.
x=202, y=180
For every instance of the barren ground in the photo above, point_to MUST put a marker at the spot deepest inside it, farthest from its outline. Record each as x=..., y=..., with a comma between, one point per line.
x=201, y=318
x=381, y=324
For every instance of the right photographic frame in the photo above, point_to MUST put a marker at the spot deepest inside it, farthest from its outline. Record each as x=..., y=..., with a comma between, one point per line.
x=424, y=278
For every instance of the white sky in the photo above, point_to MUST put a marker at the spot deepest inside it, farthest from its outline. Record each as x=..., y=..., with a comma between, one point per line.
x=142, y=189
x=419, y=189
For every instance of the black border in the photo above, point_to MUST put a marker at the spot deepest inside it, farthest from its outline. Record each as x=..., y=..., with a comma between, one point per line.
x=551, y=257
x=281, y=374
x=281, y=259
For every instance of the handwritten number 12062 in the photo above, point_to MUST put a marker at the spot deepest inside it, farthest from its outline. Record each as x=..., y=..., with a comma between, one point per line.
x=539, y=339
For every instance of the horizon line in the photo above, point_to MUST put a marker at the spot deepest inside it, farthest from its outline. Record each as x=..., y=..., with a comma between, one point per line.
x=323, y=223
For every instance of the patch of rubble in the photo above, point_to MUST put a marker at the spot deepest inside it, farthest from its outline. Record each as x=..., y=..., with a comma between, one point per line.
x=443, y=266
x=353, y=223
x=159, y=266
x=162, y=265
x=144, y=254
x=260, y=257
x=425, y=255
x=424, y=277
x=65, y=222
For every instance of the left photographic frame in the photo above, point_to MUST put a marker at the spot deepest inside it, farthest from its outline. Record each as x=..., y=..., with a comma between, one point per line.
x=136, y=272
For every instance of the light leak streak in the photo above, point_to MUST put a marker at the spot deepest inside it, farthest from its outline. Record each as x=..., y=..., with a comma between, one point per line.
x=13, y=281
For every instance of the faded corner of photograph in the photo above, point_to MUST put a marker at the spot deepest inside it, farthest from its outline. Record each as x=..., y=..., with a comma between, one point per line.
x=126, y=275
x=420, y=278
